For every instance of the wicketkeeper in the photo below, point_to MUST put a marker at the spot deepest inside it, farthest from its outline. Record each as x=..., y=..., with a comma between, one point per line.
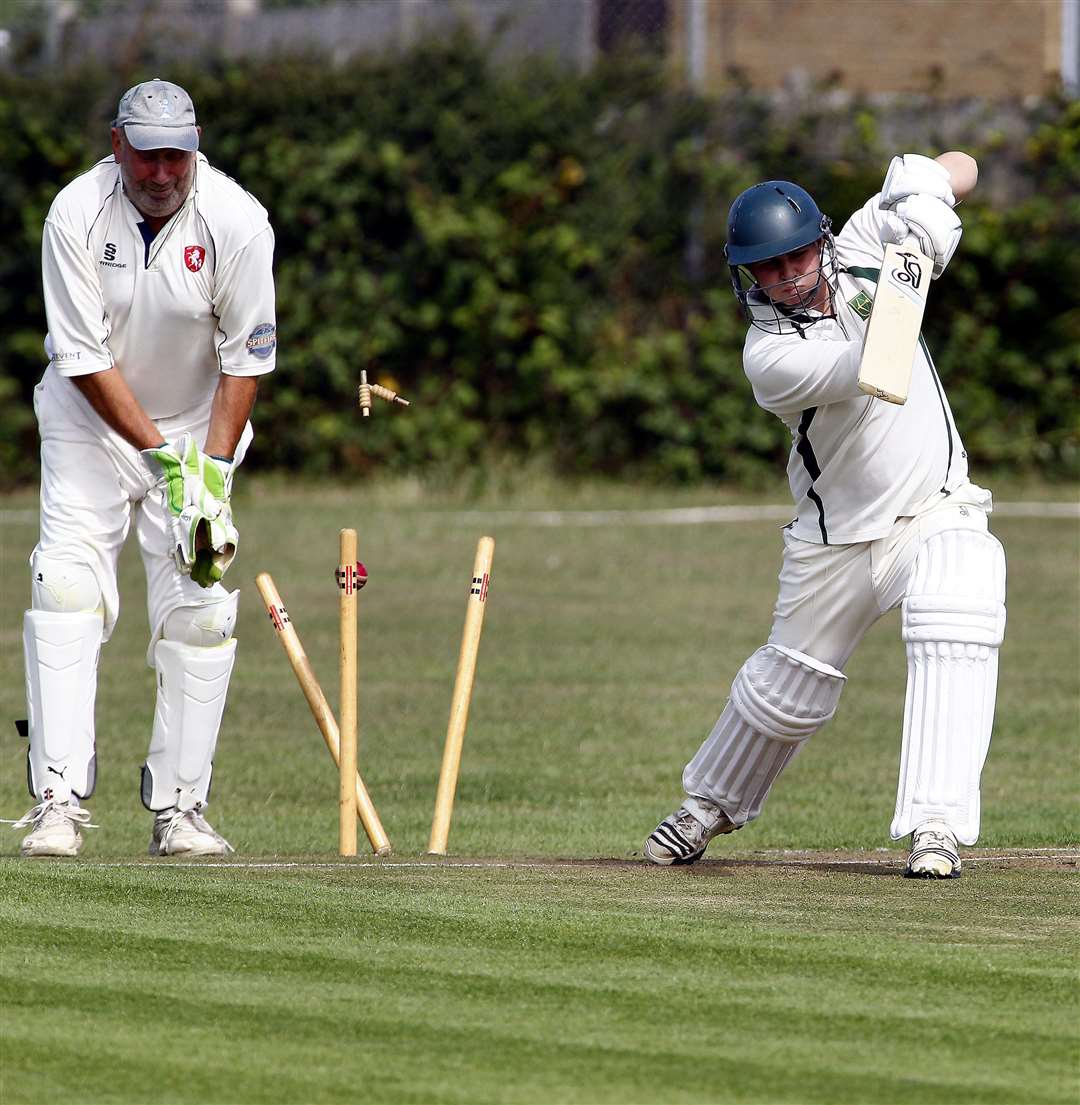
x=159, y=295
x=886, y=518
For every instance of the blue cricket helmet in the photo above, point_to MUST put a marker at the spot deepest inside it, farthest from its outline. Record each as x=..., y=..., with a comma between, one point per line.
x=772, y=218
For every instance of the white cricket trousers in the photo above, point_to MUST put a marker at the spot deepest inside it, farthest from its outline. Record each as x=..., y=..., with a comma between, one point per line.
x=947, y=573
x=94, y=485
x=830, y=595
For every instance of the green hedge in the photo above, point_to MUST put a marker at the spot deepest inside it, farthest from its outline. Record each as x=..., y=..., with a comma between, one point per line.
x=509, y=250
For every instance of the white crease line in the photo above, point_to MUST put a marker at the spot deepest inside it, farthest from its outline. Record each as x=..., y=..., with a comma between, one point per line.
x=775, y=860
x=685, y=516
x=370, y=864
x=706, y=515
x=682, y=516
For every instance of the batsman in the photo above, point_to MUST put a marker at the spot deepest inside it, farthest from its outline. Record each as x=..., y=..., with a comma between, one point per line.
x=159, y=297
x=886, y=518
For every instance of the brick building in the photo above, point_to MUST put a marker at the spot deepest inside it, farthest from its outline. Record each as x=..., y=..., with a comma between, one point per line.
x=953, y=48
x=990, y=49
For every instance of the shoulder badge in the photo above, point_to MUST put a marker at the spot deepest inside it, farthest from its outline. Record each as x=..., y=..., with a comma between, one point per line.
x=861, y=305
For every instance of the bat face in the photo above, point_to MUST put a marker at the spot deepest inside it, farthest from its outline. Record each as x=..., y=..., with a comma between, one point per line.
x=892, y=333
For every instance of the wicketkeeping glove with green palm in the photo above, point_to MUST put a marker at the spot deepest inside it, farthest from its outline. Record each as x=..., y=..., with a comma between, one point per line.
x=196, y=487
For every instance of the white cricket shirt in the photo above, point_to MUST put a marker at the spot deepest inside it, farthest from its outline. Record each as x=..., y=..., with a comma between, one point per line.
x=173, y=313
x=857, y=463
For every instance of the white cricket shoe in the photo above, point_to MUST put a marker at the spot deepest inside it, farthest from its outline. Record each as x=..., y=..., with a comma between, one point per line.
x=186, y=832
x=934, y=854
x=684, y=836
x=56, y=829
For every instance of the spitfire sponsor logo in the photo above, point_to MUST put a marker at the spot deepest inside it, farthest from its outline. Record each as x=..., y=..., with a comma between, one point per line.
x=861, y=305
x=194, y=256
x=108, y=257
x=262, y=341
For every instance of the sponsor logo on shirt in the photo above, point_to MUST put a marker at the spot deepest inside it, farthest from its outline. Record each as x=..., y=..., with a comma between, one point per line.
x=262, y=341
x=65, y=358
x=108, y=257
x=194, y=257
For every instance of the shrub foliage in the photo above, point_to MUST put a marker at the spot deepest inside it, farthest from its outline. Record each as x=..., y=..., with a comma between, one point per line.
x=534, y=259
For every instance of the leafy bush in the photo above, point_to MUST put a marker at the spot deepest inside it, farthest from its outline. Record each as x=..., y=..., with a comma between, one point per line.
x=510, y=251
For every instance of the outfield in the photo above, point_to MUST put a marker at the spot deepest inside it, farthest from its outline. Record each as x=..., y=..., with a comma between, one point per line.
x=544, y=961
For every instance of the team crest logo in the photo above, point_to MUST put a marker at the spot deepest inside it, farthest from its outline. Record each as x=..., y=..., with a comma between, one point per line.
x=861, y=305
x=194, y=257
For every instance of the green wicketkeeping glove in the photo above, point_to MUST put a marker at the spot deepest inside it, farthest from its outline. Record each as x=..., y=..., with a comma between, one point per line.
x=215, y=546
x=196, y=488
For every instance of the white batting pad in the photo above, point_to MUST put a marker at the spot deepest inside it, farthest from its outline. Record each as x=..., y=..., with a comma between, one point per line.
x=779, y=698
x=61, y=655
x=191, y=687
x=953, y=622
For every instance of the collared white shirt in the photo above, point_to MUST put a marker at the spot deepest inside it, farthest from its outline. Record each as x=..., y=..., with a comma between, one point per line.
x=171, y=313
x=857, y=463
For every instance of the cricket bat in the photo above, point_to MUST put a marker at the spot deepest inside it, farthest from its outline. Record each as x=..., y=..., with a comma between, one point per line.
x=895, y=320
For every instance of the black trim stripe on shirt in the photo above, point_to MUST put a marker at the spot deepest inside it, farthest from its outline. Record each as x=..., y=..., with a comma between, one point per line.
x=106, y=321
x=806, y=451
x=944, y=407
x=93, y=222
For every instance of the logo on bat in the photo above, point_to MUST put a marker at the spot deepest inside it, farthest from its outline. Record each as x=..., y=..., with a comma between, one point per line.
x=912, y=273
x=279, y=616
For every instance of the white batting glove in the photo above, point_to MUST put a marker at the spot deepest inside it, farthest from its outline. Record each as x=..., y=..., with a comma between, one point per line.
x=196, y=489
x=932, y=223
x=915, y=175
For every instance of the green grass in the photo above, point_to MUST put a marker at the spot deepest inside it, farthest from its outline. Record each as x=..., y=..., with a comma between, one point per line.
x=606, y=655
x=576, y=985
